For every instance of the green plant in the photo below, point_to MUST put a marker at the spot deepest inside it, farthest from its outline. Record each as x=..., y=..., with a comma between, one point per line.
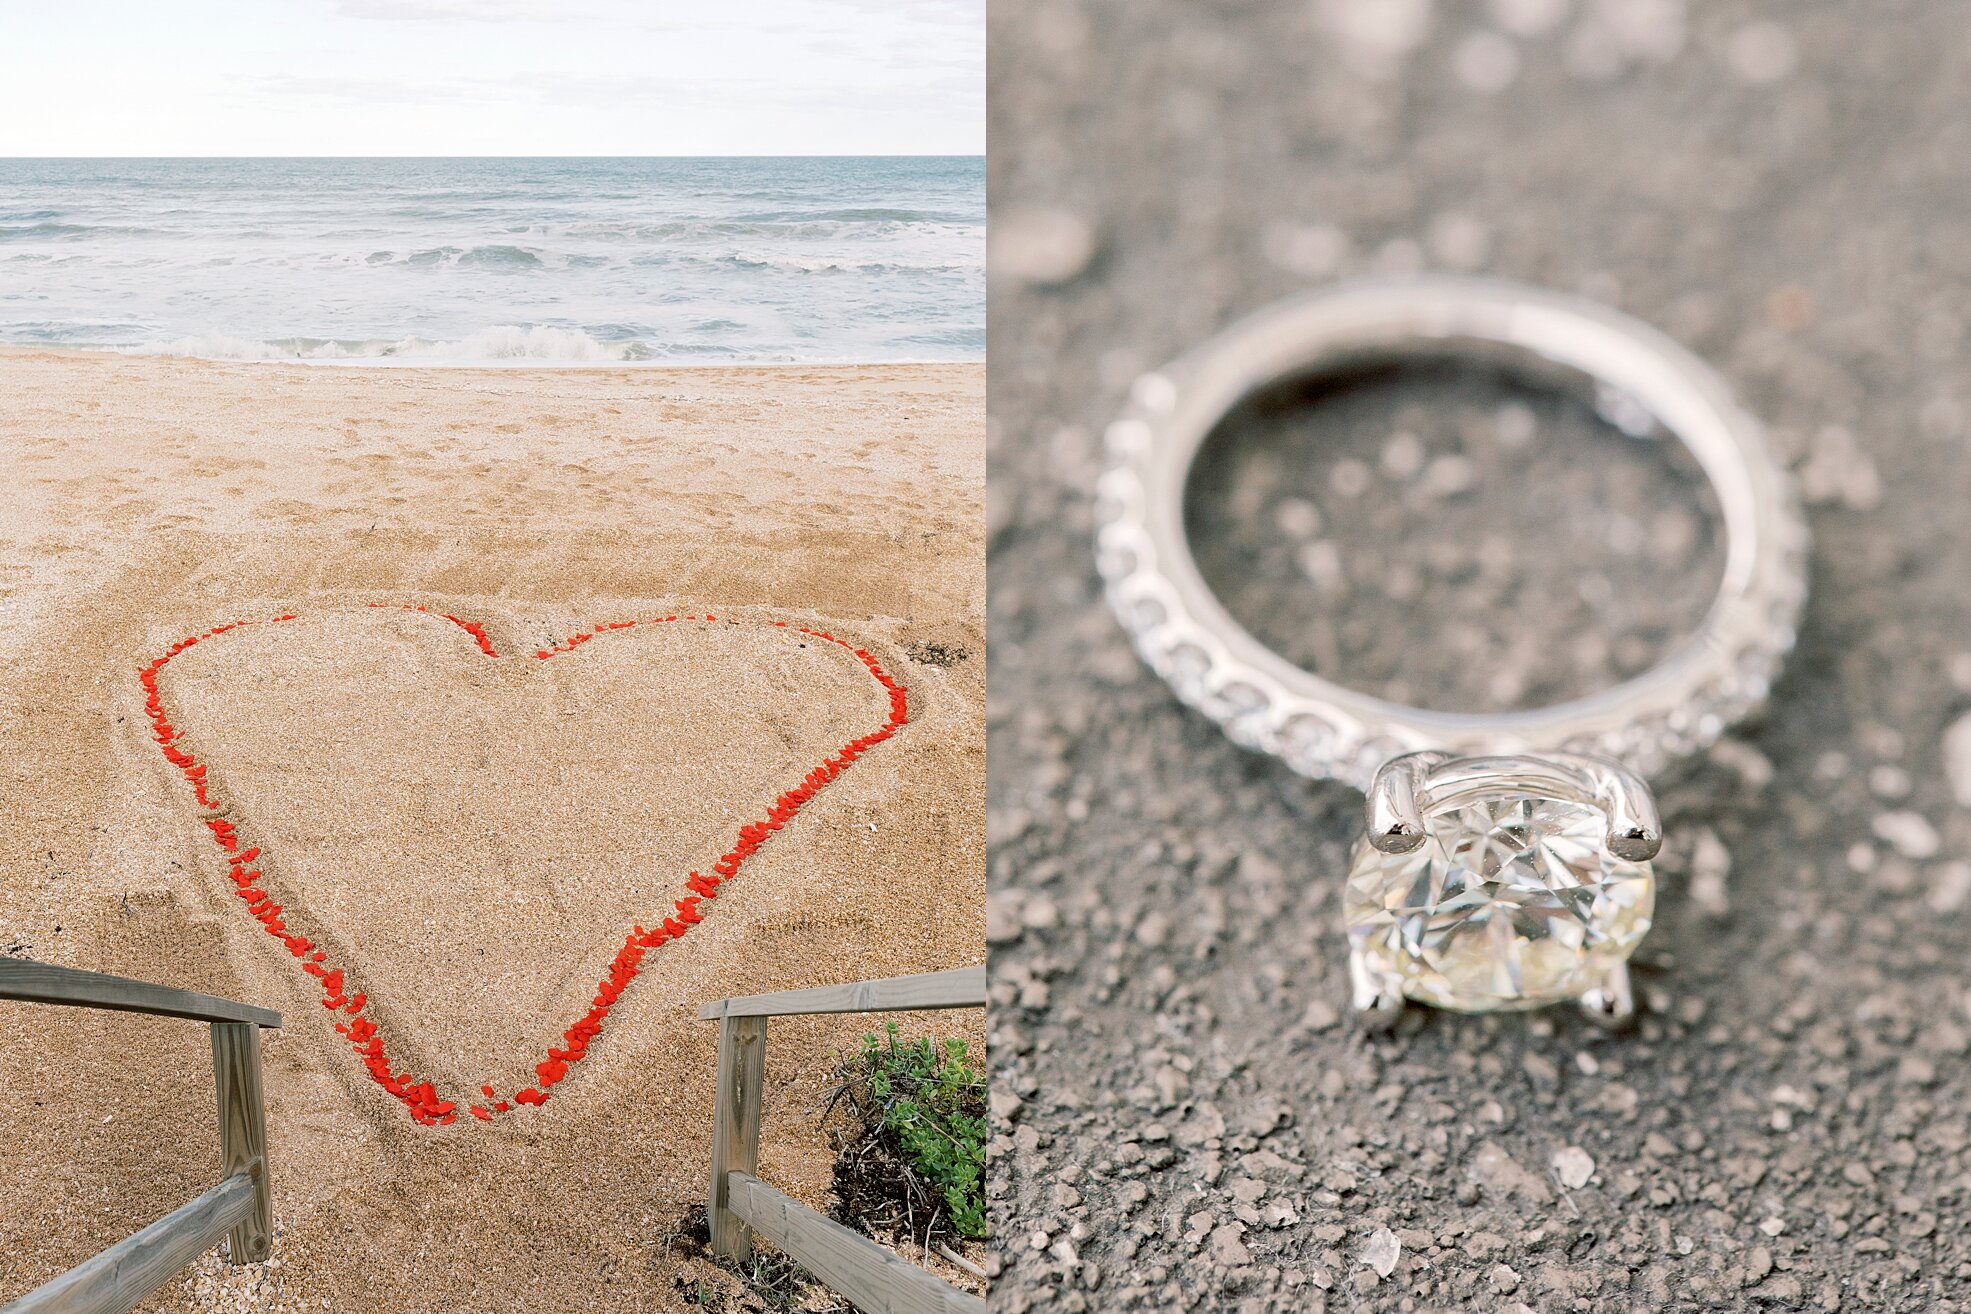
x=921, y=1104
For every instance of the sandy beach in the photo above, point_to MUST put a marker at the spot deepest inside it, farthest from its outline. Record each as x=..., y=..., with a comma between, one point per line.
x=560, y=642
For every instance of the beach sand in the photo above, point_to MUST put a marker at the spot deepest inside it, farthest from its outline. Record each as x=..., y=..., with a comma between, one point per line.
x=468, y=837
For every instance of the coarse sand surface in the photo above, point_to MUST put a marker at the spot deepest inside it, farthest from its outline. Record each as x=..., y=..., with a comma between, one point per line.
x=469, y=838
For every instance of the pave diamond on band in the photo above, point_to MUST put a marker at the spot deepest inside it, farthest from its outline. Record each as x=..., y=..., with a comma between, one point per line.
x=1506, y=863
x=1716, y=677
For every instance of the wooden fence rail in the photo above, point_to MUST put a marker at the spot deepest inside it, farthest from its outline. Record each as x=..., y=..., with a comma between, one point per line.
x=239, y=1209
x=877, y=1280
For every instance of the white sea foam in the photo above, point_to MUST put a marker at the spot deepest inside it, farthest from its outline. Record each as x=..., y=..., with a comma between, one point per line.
x=570, y=262
x=504, y=343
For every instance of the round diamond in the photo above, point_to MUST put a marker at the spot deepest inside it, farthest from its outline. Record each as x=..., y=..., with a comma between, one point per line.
x=1512, y=901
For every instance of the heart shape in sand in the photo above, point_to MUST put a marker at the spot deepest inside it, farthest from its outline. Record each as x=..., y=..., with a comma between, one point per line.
x=386, y=780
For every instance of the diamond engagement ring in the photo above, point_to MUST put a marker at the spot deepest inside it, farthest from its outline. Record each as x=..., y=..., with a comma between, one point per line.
x=1507, y=859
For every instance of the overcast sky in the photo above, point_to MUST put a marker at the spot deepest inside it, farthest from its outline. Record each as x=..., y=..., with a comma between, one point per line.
x=492, y=77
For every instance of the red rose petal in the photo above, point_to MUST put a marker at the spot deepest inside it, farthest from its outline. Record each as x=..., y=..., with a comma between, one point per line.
x=420, y=1097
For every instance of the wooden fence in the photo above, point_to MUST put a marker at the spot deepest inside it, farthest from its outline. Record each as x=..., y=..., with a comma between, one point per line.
x=877, y=1280
x=239, y=1209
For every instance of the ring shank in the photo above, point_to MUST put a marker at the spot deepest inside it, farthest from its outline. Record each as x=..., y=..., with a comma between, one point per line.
x=1681, y=705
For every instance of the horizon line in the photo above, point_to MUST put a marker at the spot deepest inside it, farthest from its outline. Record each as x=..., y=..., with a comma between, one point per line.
x=685, y=155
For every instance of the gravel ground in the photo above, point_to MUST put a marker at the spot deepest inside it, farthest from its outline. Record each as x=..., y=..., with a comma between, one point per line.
x=1184, y=1118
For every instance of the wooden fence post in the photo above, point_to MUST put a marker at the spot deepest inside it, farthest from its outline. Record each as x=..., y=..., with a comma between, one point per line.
x=736, y=1129
x=243, y=1133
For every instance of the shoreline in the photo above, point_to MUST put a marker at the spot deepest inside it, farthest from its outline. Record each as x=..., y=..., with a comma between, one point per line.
x=21, y=350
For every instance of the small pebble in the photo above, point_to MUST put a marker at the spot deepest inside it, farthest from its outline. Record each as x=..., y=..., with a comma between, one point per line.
x=1381, y=1251
x=1458, y=241
x=1041, y=246
x=1311, y=250
x=1762, y=53
x=1528, y=18
x=1297, y=517
x=1909, y=833
x=1710, y=866
x=1950, y=887
x=1957, y=759
x=1350, y=478
x=1515, y=425
x=1377, y=36
x=1403, y=455
x=1573, y=1167
x=1889, y=782
x=1486, y=62
x=1448, y=476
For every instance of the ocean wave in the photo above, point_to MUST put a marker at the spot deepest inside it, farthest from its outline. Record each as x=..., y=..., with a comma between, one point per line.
x=744, y=258
x=829, y=264
x=504, y=257
x=627, y=260
x=503, y=343
x=967, y=338
x=538, y=346
x=790, y=227
x=496, y=256
x=864, y=215
x=50, y=228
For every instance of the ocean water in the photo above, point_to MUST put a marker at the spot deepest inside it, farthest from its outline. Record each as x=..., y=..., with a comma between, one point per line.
x=498, y=260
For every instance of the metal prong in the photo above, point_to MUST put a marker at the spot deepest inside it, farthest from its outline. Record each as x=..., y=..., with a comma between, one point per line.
x=1395, y=822
x=1611, y=1004
x=1377, y=998
x=1635, y=833
x=1635, y=844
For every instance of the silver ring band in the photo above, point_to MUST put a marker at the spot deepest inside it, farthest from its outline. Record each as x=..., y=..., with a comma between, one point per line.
x=1640, y=378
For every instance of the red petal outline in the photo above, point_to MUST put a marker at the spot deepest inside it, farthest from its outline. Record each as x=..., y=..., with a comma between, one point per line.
x=364, y=1036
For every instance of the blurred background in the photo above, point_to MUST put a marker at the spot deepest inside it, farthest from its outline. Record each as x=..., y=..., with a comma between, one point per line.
x=1184, y=1115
